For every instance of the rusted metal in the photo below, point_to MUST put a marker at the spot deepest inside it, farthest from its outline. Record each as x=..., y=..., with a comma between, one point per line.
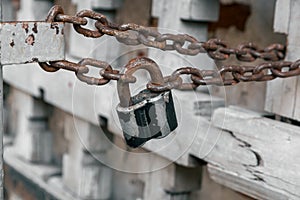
x=127, y=72
x=110, y=74
x=48, y=68
x=26, y=42
x=84, y=70
x=91, y=15
x=133, y=34
x=147, y=115
x=71, y=19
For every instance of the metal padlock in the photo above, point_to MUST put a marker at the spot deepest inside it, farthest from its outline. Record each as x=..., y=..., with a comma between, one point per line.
x=147, y=115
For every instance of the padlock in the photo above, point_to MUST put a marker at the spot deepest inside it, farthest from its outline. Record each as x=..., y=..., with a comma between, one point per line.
x=147, y=115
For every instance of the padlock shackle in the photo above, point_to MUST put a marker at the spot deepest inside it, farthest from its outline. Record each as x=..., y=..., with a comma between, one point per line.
x=132, y=66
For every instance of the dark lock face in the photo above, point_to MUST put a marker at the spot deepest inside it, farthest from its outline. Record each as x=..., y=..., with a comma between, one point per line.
x=151, y=115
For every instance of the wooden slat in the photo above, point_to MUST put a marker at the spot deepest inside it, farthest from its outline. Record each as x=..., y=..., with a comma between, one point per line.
x=257, y=191
x=283, y=95
x=282, y=15
x=257, y=156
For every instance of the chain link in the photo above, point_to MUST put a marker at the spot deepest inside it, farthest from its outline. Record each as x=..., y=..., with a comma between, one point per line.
x=133, y=34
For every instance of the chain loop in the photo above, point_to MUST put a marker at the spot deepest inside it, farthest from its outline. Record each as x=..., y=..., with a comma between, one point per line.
x=170, y=38
x=53, y=12
x=91, y=15
x=47, y=67
x=214, y=49
x=247, y=52
x=84, y=70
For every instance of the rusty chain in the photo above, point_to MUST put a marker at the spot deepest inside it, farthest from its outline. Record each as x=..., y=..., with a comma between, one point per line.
x=133, y=34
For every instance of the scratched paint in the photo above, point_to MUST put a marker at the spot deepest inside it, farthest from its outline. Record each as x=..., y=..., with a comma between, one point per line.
x=26, y=42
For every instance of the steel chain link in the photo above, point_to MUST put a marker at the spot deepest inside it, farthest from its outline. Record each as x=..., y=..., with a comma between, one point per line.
x=133, y=34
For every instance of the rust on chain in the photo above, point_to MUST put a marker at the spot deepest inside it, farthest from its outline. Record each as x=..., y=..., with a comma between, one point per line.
x=91, y=15
x=47, y=67
x=71, y=19
x=134, y=65
x=187, y=71
x=84, y=70
x=169, y=84
x=110, y=74
x=172, y=39
x=133, y=34
x=67, y=65
x=53, y=12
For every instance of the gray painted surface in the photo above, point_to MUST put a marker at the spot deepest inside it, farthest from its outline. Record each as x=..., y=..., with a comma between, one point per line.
x=26, y=42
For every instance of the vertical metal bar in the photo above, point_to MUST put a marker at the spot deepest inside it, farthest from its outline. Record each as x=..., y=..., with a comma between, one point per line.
x=1, y=117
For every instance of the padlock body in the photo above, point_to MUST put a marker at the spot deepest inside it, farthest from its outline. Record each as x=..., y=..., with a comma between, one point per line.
x=151, y=115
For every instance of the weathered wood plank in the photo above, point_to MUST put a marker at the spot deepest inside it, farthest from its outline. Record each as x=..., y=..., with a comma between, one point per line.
x=252, y=188
x=297, y=101
x=283, y=96
x=194, y=10
x=261, y=151
x=282, y=15
x=37, y=173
